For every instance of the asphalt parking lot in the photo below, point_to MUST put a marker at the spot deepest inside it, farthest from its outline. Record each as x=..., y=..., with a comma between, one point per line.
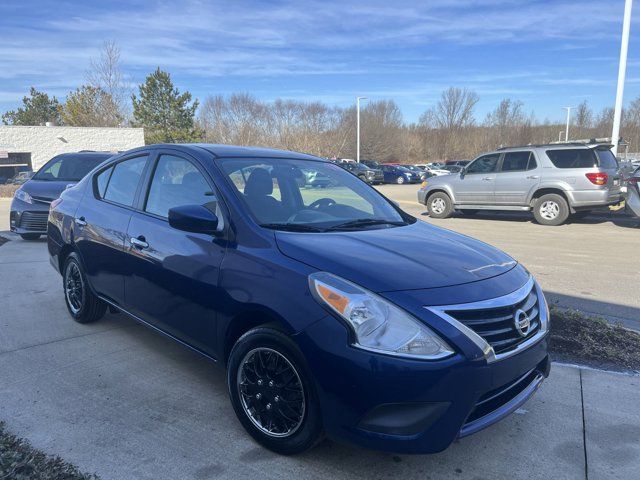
x=591, y=264
x=120, y=400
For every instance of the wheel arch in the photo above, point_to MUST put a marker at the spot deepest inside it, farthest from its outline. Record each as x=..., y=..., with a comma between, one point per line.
x=439, y=190
x=550, y=190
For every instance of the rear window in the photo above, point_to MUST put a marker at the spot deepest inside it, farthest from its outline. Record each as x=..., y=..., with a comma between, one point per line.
x=607, y=159
x=573, y=158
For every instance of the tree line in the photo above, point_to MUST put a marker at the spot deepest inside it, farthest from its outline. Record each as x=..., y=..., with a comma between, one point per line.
x=449, y=130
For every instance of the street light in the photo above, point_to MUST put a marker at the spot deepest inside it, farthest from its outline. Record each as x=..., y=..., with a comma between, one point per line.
x=358, y=127
x=622, y=69
x=566, y=132
x=560, y=136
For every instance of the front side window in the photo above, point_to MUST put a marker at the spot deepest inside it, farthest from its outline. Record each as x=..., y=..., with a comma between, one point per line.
x=123, y=182
x=484, y=164
x=518, y=161
x=177, y=182
x=311, y=195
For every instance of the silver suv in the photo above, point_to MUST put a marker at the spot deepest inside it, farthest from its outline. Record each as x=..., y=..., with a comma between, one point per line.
x=553, y=180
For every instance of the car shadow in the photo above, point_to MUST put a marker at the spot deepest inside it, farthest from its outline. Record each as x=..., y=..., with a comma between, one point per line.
x=620, y=220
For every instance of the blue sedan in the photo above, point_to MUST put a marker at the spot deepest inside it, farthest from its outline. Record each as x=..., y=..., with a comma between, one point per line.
x=399, y=174
x=305, y=295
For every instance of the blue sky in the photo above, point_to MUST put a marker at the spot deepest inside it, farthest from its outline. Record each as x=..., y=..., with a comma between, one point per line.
x=546, y=53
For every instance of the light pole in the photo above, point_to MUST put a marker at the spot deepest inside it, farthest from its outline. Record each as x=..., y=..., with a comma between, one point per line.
x=560, y=136
x=358, y=127
x=566, y=132
x=622, y=69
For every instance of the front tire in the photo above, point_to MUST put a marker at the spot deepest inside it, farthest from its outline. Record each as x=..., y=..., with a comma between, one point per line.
x=272, y=392
x=551, y=209
x=400, y=180
x=439, y=205
x=82, y=304
x=30, y=236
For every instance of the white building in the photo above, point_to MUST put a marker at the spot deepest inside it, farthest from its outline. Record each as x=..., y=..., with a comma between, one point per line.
x=24, y=148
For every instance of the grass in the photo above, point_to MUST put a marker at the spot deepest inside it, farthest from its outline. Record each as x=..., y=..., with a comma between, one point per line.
x=583, y=339
x=20, y=461
x=8, y=191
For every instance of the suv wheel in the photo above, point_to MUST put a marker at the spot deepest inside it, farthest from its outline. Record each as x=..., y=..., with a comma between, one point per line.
x=272, y=392
x=439, y=205
x=551, y=209
x=400, y=180
x=82, y=304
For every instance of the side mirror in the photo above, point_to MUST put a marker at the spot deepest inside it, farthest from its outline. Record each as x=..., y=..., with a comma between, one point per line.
x=193, y=218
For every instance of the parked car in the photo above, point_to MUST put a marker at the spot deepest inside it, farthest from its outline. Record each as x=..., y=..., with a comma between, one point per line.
x=434, y=171
x=20, y=178
x=371, y=164
x=554, y=181
x=632, y=196
x=402, y=353
x=452, y=168
x=30, y=205
x=398, y=174
x=316, y=179
x=422, y=174
x=363, y=172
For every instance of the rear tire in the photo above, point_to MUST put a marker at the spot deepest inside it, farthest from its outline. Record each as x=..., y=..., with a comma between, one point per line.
x=82, y=304
x=551, y=209
x=439, y=205
x=262, y=363
x=400, y=180
x=30, y=236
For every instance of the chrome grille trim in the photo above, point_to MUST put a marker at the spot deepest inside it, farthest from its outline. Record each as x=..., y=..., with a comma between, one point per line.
x=540, y=315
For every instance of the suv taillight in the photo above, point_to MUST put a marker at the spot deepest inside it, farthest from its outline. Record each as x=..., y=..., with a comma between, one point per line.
x=598, y=178
x=633, y=180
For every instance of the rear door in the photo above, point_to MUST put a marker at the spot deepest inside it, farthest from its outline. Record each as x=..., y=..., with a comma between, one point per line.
x=517, y=178
x=174, y=274
x=101, y=224
x=476, y=185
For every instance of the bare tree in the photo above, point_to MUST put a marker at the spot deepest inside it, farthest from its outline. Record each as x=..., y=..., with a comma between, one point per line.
x=583, y=120
x=105, y=73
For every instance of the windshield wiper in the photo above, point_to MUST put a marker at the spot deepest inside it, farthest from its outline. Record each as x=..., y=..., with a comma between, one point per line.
x=365, y=222
x=292, y=227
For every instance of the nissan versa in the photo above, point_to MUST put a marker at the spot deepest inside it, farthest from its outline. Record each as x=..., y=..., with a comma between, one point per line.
x=305, y=295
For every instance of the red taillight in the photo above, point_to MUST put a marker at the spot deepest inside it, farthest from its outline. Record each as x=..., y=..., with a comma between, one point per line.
x=598, y=178
x=633, y=180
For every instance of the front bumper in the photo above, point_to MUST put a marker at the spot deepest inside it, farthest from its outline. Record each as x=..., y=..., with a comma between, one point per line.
x=28, y=218
x=411, y=406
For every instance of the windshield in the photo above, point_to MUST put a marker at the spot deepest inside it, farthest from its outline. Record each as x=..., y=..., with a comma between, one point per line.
x=68, y=168
x=306, y=195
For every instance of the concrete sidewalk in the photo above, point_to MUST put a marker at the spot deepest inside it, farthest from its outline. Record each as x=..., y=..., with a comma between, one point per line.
x=124, y=402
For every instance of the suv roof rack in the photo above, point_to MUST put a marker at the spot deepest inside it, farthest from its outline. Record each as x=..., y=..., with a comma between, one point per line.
x=582, y=143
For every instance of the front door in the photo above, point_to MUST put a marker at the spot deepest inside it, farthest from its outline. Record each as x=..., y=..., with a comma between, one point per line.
x=517, y=178
x=475, y=185
x=174, y=279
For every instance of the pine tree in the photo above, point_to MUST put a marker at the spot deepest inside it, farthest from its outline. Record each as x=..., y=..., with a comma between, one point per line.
x=38, y=109
x=167, y=115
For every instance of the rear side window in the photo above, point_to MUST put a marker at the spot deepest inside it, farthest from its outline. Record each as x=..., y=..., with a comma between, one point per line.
x=518, y=161
x=573, y=158
x=177, y=182
x=606, y=159
x=123, y=182
x=102, y=180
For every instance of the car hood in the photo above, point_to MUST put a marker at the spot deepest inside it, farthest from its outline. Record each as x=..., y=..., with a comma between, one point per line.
x=416, y=256
x=45, y=189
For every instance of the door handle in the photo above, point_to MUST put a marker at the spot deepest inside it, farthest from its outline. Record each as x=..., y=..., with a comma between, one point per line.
x=139, y=242
x=486, y=179
x=533, y=177
x=81, y=222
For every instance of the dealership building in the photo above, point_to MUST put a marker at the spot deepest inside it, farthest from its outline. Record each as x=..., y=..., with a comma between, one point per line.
x=28, y=148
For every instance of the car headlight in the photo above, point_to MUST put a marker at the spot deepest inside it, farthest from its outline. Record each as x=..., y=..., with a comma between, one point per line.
x=24, y=196
x=378, y=325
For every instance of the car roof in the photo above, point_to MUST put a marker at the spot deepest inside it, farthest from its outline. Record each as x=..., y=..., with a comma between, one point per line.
x=557, y=146
x=232, y=151
x=87, y=154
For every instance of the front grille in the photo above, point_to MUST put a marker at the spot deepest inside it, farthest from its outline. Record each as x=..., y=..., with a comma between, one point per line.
x=36, y=221
x=497, y=326
x=44, y=200
x=493, y=400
